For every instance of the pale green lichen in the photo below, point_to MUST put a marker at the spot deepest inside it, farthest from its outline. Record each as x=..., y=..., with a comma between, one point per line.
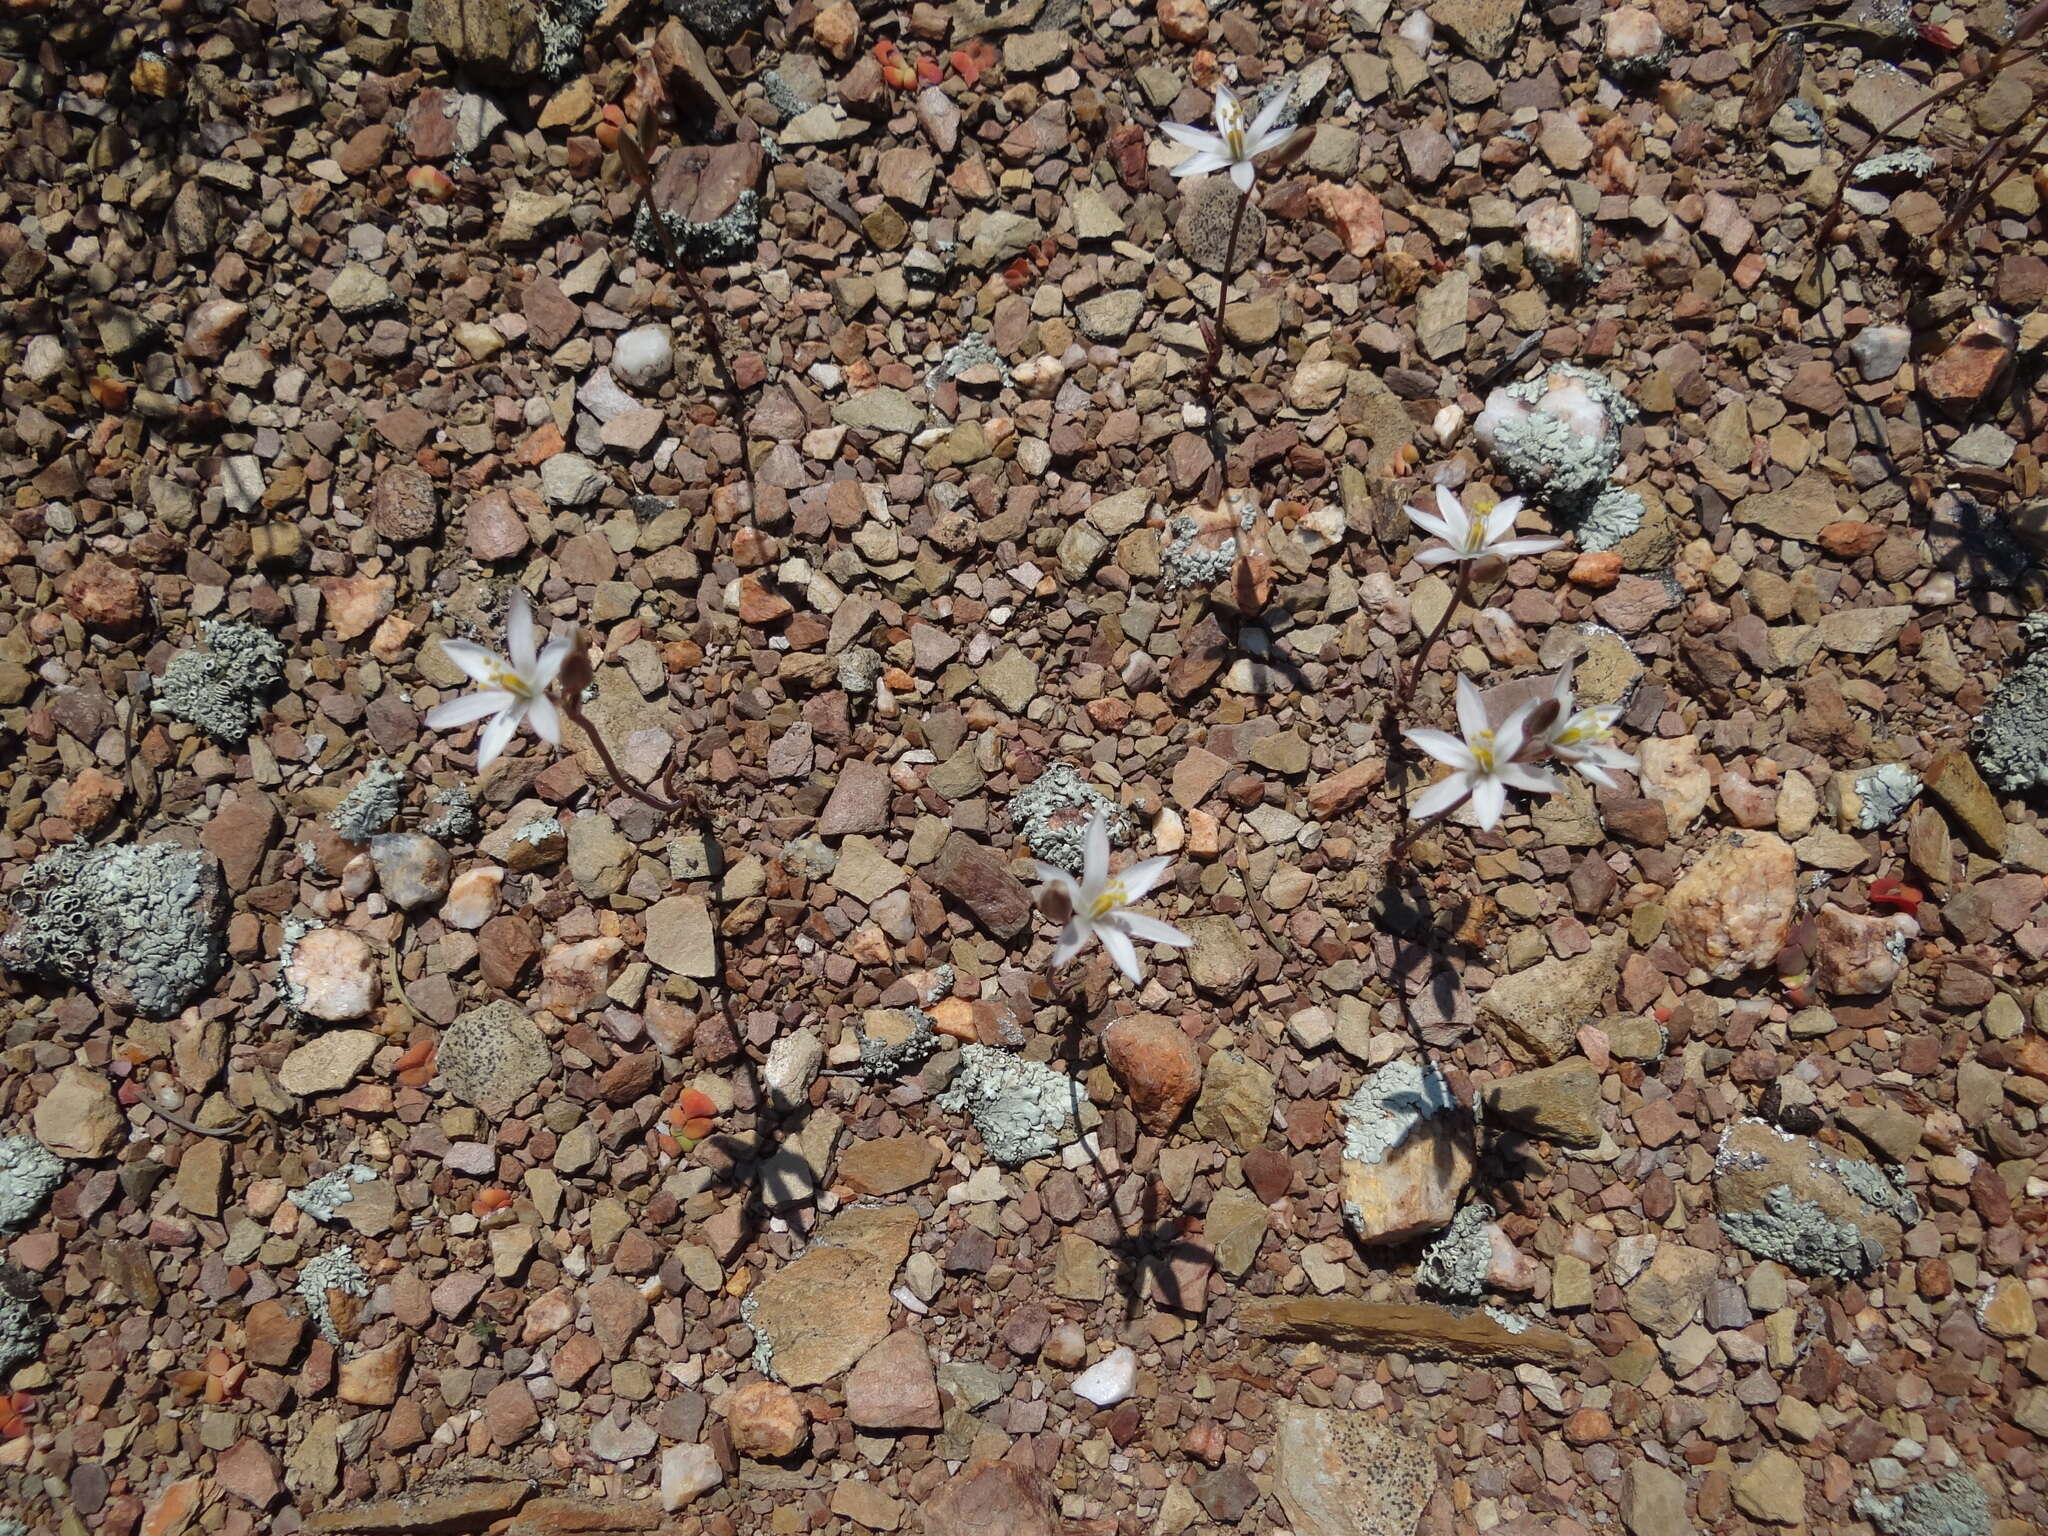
x=1953, y=1504
x=1883, y=794
x=1052, y=813
x=23, y=1320
x=323, y=1198
x=140, y=924
x=882, y=1057
x=336, y=1270
x=1879, y=1188
x=372, y=805
x=1800, y=1235
x=1507, y=1320
x=1552, y=456
x=2011, y=734
x=222, y=689
x=1023, y=1109
x=1186, y=563
x=564, y=25
x=730, y=237
x=1456, y=1264
x=1391, y=1103
x=28, y=1172
x=457, y=820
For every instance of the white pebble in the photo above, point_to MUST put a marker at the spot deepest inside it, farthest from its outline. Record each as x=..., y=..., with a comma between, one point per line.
x=1109, y=1380
x=643, y=357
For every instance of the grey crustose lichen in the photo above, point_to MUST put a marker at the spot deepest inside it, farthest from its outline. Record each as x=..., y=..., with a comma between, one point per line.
x=372, y=805
x=138, y=924
x=1023, y=1109
x=1456, y=1264
x=23, y=1320
x=325, y=1196
x=1564, y=469
x=2010, y=737
x=1800, y=1235
x=1953, y=1504
x=1052, y=813
x=222, y=688
x=335, y=1270
x=28, y=1172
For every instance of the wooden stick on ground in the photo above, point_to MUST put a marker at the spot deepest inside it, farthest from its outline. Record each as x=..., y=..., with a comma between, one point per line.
x=1381, y=1328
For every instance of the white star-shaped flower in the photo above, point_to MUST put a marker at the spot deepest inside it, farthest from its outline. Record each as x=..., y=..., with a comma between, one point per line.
x=513, y=688
x=1234, y=146
x=1474, y=538
x=1485, y=765
x=1097, y=906
x=1583, y=739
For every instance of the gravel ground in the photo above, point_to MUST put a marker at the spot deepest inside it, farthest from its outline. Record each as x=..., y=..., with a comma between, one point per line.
x=387, y=1146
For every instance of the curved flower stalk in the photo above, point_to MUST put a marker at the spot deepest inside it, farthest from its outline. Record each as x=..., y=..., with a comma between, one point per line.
x=1098, y=905
x=1234, y=147
x=1468, y=539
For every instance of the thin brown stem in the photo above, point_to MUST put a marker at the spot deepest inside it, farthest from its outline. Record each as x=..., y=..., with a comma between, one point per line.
x=634, y=154
x=1222, y=299
x=1414, y=673
x=1415, y=829
x=582, y=722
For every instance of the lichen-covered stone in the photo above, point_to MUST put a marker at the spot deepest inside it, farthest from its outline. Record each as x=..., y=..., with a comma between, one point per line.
x=1022, y=1109
x=1408, y=1154
x=28, y=1172
x=141, y=925
x=1954, y=1504
x=23, y=1321
x=372, y=805
x=222, y=688
x=1457, y=1263
x=1052, y=813
x=335, y=1270
x=2010, y=737
x=1789, y=1199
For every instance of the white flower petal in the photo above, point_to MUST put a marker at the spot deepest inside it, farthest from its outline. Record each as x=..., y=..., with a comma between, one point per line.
x=1202, y=163
x=483, y=665
x=547, y=720
x=548, y=666
x=1489, y=802
x=1269, y=114
x=1095, y=857
x=519, y=631
x=1150, y=930
x=1508, y=548
x=1193, y=137
x=1471, y=708
x=466, y=709
x=1437, y=555
x=1139, y=880
x=1444, y=747
x=1431, y=524
x=1243, y=174
x=496, y=736
x=1438, y=799
x=1122, y=951
x=1073, y=939
x=1529, y=777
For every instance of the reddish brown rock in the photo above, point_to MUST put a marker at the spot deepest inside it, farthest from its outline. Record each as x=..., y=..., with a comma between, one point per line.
x=509, y=1413
x=977, y=878
x=1157, y=1065
x=103, y=595
x=1970, y=368
x=272, y=1332
x=991, y=1498
x=893, y=1386
x=404, y=505
x=766, y=1421
x=1857, y=955
x=495, y=525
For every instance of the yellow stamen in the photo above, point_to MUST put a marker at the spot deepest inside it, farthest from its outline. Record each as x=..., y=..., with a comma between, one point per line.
x=1111, y=898
x=513, y=683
